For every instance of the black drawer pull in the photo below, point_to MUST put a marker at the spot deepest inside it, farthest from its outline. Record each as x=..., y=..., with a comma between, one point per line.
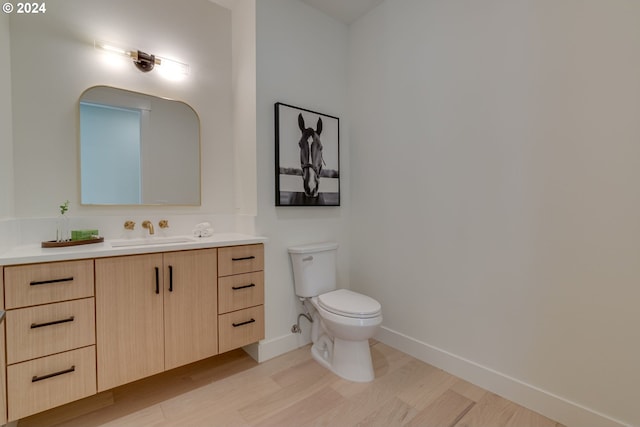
x=235, y=325
x=55, y=374
x=170, y=278
x=47, y=282
x=55, y=322
x=243, y=259
x=157, y=280
x=235, y=288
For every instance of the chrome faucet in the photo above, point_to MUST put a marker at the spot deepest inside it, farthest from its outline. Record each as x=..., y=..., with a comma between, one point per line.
x=149, y=226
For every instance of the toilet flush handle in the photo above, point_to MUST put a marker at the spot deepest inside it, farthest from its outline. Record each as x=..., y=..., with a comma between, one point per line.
x=307, y=258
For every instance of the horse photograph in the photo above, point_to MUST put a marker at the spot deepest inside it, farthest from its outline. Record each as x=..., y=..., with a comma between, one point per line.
x=307, y=157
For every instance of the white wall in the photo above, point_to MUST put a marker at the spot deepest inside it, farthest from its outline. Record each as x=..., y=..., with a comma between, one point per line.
x=302, y=58
x=495, y=163
x=8, y=227
x=6, y=134
x=54, y=61
x=244, y=106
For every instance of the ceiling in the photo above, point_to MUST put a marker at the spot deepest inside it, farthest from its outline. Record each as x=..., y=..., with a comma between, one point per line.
x=346, y=11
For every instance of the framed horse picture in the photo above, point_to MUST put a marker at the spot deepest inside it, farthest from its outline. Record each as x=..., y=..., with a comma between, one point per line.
x=307, y=157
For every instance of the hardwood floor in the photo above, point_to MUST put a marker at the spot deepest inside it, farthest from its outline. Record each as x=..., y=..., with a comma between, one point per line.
x=293, y=390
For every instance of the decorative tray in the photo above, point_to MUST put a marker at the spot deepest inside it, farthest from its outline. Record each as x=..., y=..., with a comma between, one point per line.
x=55, y=244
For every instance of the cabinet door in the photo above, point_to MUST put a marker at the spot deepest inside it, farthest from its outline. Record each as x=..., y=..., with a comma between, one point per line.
x=129, y=324
x=190, y=306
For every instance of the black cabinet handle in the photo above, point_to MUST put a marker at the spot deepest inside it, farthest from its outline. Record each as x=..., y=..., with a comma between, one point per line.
x=243, y=259
x=55, y=322
x=157, y=280
x=47, y=282
x=235, y=325
x=235, y=288
x=170, y=278
x=55, y=374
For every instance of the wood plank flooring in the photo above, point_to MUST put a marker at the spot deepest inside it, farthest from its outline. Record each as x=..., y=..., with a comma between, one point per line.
x=232, y=390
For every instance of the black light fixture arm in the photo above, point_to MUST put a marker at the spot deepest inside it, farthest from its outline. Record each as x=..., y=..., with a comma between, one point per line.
x=145, y=61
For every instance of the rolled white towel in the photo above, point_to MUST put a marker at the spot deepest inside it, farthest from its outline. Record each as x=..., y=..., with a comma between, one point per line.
x=207, y=232
x=203, y=230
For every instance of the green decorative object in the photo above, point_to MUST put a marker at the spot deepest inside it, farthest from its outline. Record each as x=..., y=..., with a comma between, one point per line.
x=62, y=232
x=83, y=234
x=64, y=207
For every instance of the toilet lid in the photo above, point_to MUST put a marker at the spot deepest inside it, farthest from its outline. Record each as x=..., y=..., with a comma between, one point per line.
x=348, y=303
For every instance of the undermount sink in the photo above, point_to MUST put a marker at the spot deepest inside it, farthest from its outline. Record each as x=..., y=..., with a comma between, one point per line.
x=149, y=241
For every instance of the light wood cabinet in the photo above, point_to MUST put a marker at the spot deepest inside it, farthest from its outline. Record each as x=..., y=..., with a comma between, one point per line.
x=50, y=335
x=75, y=328
x=47, y=382
x=190, y=315
x=129, y=319
x=240, y=259
x=240, y=296
x=240, y=291
x=50, y=328
x=3, y=377
x=153, y=313
x=45, y=283
x=241, y=327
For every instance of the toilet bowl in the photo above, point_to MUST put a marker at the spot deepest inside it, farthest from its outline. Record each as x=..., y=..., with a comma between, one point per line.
x=343, y=320
x=349, y=315
x=350, y=355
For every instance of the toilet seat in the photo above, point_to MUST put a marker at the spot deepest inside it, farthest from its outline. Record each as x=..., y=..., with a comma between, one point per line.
x=347, y=303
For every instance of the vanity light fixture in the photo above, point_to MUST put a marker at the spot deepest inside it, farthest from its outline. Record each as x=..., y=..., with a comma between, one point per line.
x=145, y=62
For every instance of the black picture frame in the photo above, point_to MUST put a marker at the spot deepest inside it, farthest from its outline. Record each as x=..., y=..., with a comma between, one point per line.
x=307, y=160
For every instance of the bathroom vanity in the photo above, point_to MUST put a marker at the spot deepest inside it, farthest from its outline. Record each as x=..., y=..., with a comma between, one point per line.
x=82, y=321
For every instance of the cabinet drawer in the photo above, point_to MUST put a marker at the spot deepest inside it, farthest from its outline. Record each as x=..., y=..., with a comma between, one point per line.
x=44, y=383
x=240, y=328
x=240, y=259
x=35, y=284
x=240, y=291
x=47, y=329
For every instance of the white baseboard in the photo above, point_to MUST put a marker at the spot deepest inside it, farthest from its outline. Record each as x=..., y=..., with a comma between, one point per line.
x=538, y=400
x=268, y=349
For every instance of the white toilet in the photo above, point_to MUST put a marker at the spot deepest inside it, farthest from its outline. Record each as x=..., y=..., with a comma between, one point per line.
x=343, y=321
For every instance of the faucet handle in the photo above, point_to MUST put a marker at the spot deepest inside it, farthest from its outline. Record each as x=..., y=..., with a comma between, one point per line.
x=163, y=223
x=129, y=225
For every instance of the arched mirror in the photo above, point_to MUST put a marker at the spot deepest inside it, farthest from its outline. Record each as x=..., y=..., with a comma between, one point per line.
x=138, y=149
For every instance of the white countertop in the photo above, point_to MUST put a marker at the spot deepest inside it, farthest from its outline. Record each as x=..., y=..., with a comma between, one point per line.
x=29, y=254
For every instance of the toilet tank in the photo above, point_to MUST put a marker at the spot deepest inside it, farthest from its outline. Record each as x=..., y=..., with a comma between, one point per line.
x=314, y=268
